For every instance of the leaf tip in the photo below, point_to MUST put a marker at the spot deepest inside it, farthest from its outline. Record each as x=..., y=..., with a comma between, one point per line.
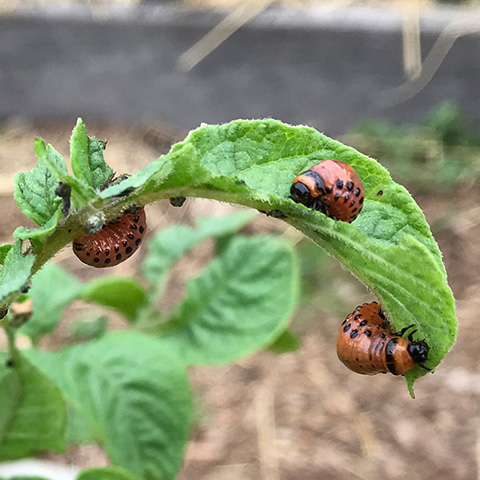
x=39, y=147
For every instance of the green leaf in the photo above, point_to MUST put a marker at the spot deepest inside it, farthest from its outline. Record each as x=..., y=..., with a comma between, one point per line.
x=109, y=473
x=34, y=191
x=287, y=342
x=241, y=302
x=125, y=295
x=101, y=172
x=52, y=290
x=133, y=393
x=159, y=167
x=32, y=416
x=79, y=153
x=4, y=249
x=169, y=245
x=82, y=193
x=254, y=162
x=87, y=157
x=10, y=389
x=39, y=234
x=77, y=432
x=15, y=273
x=49, y=362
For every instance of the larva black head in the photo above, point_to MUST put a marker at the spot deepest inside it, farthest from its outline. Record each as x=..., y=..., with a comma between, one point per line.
x=300, y=193
x=418, y=351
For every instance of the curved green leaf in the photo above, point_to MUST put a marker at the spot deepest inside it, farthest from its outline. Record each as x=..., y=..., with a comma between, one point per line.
x=389, y=247
x=241, y=302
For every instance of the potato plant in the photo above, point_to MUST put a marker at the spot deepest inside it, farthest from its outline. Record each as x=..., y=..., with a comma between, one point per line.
x=129, y=390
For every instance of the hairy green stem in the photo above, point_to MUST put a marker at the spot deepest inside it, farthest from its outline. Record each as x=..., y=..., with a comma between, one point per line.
x=73, y=226
x=11, y=340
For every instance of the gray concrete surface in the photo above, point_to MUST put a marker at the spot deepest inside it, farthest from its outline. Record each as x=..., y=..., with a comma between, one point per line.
x=325, y=68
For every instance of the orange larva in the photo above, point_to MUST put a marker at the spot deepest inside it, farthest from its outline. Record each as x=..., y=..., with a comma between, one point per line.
x=331, y=187
x=114, y=243
x=366, y=344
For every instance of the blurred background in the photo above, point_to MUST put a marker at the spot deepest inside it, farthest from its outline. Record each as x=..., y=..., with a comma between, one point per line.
x=396, y=80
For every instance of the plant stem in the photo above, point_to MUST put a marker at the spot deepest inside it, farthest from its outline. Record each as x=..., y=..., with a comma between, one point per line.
x=11, y=340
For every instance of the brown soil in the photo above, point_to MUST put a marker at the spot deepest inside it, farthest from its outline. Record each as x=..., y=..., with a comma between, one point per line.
x=301, y=416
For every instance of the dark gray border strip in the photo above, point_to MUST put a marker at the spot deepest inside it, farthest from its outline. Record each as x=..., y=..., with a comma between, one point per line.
x=338, y=19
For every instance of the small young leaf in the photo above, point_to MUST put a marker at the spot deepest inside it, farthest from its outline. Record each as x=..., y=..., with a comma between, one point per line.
x=81, y=193
x=86, y=156
x=159, y=167
x=241, y=302
x=39, y=234
x=35, y=420
x=34, y=191
x=4, y=249
x=52, y=290
x=169, y=245
x=287, y=342
x=100, y=171
x=133, y=393
x=125, y=295
x=79, y=153
x=108, y=473
x=15, y=272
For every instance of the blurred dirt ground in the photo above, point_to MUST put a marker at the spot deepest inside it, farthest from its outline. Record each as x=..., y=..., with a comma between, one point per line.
x=300, y=416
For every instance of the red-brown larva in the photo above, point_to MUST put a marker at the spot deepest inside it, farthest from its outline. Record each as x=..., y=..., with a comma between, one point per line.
x=331, y=187
x=117, y=241
x=366, y=344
